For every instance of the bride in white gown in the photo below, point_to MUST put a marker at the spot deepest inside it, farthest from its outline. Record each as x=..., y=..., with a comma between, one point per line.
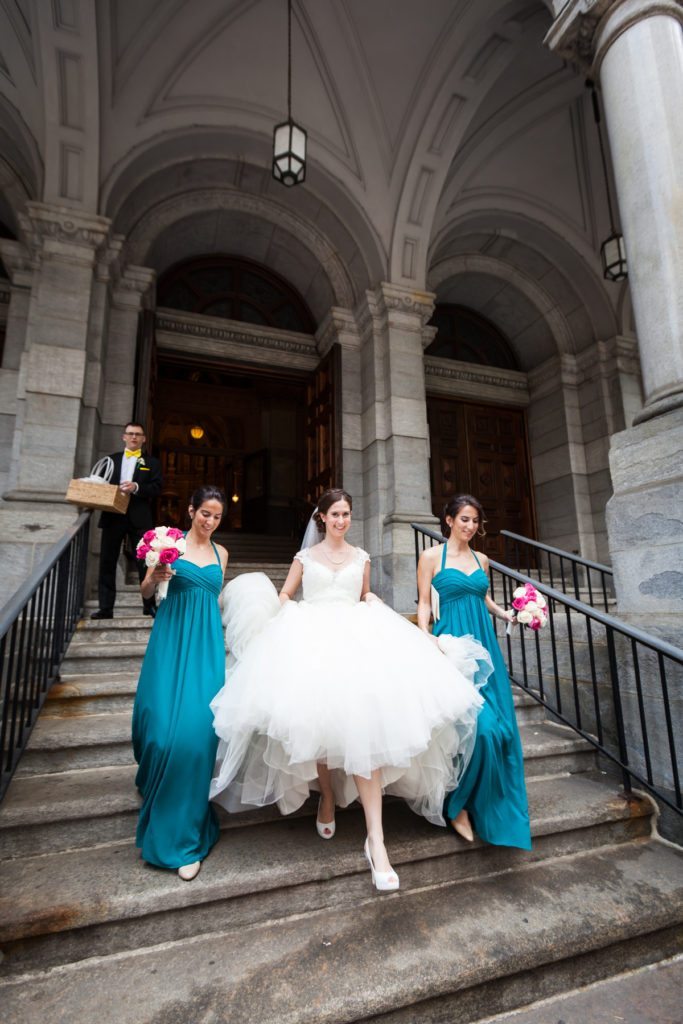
x=340, y=694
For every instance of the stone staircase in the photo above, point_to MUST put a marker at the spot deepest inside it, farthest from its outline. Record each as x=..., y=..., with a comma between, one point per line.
x=281, y=927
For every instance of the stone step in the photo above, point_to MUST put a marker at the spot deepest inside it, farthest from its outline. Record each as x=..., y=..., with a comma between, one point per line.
x=122, y=656
x=60, y=744
x=452, y=951
x=112, y=631
x=95, y=694
x=274, y=868
x=647, y=995
x=83, y=806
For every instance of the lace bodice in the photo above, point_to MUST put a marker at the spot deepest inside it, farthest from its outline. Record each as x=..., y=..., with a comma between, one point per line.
x=321, y=584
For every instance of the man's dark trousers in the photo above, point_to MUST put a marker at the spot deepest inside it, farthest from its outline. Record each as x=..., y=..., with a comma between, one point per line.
x=115, y=527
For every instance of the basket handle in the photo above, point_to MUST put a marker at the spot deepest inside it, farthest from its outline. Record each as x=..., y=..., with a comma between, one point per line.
x=104, y=468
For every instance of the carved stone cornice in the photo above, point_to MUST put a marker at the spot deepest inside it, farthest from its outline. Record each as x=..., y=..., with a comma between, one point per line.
x=469, y=380
x=44, y=222
x=239, y=338
x=585, y=29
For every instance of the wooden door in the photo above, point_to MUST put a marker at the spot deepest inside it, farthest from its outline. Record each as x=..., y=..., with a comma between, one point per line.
x=482, y=450
x=323, y=433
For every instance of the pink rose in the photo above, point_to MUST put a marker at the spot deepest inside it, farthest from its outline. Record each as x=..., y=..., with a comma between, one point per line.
x=149, y=536
x=168, y=555
x=519, y=603
x=174, y=533
x=141, y=550
x=535, y=623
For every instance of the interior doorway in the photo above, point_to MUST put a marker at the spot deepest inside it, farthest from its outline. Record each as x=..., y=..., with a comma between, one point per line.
x=241, y=428
x=482, y=450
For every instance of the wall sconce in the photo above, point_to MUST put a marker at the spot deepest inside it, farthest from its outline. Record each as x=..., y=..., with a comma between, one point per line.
x=197, y=432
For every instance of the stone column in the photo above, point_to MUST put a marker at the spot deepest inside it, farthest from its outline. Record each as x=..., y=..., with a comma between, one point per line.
x=394, y=435
x=635, y=49
x=340, y=327
x=18, y=263
x=129, y=289
x=64, y=246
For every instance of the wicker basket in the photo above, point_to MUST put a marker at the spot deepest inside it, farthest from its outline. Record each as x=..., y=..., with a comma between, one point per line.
x=106, y=497
x=95, y=491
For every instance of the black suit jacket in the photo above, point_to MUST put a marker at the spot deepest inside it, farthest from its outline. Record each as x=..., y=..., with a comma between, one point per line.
x=148, y=478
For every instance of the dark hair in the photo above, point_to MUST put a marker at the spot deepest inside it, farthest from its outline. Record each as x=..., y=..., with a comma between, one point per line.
x=134, y=423
x=207, y=492
x=326, y=500
x=453, y=507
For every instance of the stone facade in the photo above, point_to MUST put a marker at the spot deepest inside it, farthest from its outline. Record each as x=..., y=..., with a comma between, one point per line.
x=474, y=180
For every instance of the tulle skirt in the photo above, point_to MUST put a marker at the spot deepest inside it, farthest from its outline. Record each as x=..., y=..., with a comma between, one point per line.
x=349, y=684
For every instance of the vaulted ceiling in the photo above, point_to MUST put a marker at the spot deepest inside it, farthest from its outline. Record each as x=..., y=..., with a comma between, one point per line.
x=424, y=116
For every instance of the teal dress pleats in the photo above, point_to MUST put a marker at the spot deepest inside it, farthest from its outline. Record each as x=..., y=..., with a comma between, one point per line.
x=492, y=790
x=173, y=737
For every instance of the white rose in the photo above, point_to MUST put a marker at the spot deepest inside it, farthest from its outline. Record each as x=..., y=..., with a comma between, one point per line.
x=524, y=617
x=532, y=606
x=519, y=592
x=181, y=544
x=541, y=601
x=152, y=559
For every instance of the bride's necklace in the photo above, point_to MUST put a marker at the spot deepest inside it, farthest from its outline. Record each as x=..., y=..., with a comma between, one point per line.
x=329, y=558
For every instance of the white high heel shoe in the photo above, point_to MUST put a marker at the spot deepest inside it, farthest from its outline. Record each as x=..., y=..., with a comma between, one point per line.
x=326, y=829
x=383, y=881
x=189, y=871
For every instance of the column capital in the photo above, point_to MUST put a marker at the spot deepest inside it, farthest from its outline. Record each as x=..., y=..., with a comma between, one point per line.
x=339, y=325
x=131, y=286
x=396, y=305
x=63, y=232
x=585, y=29
x=19, y=262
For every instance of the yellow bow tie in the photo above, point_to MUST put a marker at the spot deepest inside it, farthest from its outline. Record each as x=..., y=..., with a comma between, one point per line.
x=133, y=455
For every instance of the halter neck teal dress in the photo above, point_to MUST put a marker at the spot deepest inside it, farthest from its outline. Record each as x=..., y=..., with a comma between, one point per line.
x=173, y=737
x=492, y=790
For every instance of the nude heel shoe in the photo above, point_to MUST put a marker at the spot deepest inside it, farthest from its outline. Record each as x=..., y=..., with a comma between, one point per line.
x=189, y=871
x=464, y=829
x=383, y=881
x=326, y=829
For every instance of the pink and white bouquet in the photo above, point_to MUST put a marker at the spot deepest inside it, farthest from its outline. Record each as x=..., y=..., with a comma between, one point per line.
x=530, y=606
x=161, y=546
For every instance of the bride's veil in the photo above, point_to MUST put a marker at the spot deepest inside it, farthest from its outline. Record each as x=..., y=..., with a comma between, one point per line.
x=312, y=534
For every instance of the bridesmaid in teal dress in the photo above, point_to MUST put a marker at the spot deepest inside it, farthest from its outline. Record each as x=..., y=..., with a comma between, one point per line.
x=492, y=790
x=183, y=670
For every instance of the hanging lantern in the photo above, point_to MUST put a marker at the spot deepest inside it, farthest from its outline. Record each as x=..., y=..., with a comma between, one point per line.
x=612, y=250
x=197, y=432
x=289, y=153
x=289, y=139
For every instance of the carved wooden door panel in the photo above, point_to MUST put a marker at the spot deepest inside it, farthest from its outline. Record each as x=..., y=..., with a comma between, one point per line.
x=482, y=450
x=323, y=428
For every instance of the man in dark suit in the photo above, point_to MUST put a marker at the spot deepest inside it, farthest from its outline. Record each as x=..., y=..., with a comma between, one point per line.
x=140, y=476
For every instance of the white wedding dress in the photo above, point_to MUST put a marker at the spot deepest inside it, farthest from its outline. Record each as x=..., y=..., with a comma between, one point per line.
x=338, y=680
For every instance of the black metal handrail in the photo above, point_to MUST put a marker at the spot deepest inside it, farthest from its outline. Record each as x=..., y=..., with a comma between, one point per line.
x=36, y=626
x=523, y=551
x=608, y=681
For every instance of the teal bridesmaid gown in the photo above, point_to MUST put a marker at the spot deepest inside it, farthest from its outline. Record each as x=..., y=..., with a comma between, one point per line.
x=492, y=790
x=173, y=737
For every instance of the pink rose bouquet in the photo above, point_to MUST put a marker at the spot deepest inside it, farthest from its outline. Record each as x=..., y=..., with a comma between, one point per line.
x=161, y=546
x=531, y=607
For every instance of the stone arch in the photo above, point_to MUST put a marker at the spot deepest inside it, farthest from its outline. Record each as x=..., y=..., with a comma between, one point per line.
x=186, y=166
x=526, y=296
x=154, y=238
x=569, y=275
